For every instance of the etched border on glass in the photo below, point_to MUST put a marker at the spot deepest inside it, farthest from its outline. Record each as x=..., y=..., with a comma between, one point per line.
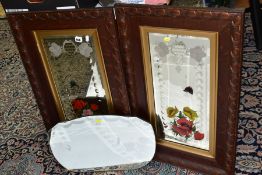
x=23, y=26
x=41, y=35
x=157, y=116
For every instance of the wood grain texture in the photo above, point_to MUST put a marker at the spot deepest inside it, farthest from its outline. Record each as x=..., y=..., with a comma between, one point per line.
x=229, y=25
x=102, y=19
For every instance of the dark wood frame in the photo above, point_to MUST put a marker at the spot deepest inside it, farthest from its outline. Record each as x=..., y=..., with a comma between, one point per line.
x=229, y=25
x=102, y=19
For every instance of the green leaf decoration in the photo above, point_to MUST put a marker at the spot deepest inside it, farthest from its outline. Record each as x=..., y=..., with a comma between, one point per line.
x=171, y=112
x=191, y=114
x=194, y=129
x=180, y=115
x=174, y=123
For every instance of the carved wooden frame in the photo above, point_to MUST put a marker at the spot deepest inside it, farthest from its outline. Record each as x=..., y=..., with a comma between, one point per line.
x=229, y=26
x=101, y=19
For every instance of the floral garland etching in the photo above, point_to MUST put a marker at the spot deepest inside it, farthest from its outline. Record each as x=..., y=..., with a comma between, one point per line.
x=183, y=123
x=72, y=65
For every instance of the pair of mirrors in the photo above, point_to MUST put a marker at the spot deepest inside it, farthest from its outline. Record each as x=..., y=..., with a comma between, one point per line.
x=178, y=69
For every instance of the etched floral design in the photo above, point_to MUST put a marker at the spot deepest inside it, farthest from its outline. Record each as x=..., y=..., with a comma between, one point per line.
x=197, y=53
x=85, y=49
x=183, y=123
x=162, y=49
x=55, y=50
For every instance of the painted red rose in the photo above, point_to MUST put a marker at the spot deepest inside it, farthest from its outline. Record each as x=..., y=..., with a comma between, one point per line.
x=78, y=104
x=94, y=107
x=198, y=135
x=183, y=127
x=185, y=122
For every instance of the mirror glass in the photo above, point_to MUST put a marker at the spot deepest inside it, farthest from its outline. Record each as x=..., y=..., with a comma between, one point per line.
x=182, y=68
x=75, y=69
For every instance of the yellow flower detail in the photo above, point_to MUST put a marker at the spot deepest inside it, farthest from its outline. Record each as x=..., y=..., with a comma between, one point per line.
x=167, y=39
x=171, y=112
x=191, y=114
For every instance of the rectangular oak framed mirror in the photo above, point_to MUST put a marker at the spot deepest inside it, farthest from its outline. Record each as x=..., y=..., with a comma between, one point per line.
x=75, y=69
x=182, y=67
x=181, y=82
x=73, y=63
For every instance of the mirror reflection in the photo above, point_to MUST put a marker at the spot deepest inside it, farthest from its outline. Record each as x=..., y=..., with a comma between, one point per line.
x=180, y=69
x=75, y=69
x=181, y=79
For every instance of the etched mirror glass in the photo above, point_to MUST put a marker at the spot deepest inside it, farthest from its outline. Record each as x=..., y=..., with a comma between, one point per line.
x=182, y=67
x=75, y=69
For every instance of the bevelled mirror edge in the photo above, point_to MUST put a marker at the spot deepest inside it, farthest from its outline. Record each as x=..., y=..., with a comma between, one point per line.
x=40, y=35
x=228, y=23
x=213, y=38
